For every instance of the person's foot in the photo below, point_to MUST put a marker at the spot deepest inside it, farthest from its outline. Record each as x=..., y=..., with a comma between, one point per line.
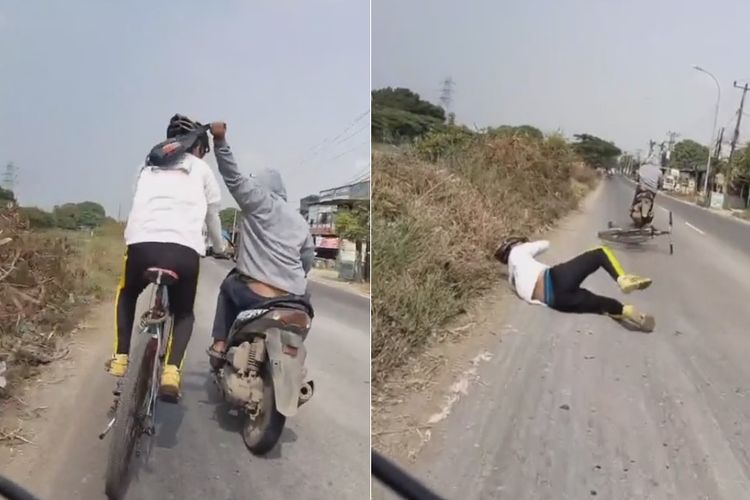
x=117, y=365
x=630, y=282
x=170, y=384
x=216, y=354
x=645, y=322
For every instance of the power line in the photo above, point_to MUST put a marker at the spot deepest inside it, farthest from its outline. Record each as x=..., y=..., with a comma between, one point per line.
x=316, y=150
x=367, y=142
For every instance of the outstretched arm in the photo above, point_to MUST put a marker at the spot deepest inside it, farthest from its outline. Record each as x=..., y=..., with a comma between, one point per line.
x=248, y=193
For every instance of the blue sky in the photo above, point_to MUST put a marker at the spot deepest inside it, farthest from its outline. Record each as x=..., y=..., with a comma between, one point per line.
x=87, y=88
x=618, y=69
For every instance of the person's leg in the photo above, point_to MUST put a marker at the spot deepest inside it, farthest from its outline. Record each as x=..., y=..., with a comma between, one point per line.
x=186, y=262
x=130, y=286
x=584, y=301
x=568, y=276
x=225, y=311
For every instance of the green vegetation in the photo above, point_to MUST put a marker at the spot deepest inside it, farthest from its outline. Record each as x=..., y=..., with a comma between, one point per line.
x=400, y=115
x=68, y=216
x=227, y=217
x=596, y=152
x=354, y=225
x=689, y=155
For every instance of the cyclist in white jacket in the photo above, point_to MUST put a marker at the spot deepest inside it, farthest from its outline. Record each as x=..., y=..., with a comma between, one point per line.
x=559, y=286
x=170, y=207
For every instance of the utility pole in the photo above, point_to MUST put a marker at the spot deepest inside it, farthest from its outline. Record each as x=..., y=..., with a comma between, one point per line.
x=446, y=98
x=736, y=135
x=719, y=142
x=10, y=176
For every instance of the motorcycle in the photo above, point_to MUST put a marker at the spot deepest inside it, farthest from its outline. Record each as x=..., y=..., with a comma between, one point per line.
x=263, y=371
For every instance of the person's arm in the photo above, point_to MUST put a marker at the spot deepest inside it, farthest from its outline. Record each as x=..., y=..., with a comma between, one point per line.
x=308, y=254
x=536, y=247
x=248, y=193
x=213, y=199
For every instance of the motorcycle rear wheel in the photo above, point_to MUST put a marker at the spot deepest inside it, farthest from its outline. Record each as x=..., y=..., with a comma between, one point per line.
x=263, y=432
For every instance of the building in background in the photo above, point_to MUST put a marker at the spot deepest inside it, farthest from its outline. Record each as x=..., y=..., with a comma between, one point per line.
x=320, y=213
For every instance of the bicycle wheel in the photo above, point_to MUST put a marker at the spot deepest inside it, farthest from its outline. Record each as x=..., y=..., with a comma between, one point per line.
x=128, y=418
x=623, y=236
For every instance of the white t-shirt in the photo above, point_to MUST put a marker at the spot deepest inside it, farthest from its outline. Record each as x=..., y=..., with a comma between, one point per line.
x=170, y=204
x=524, y=269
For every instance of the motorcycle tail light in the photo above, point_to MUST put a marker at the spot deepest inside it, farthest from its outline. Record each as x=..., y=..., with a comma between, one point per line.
x=292, y=317
x=290, y=350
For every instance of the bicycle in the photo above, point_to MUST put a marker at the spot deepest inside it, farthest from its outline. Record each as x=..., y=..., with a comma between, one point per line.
x=13, y=491
x=635, y=235
x=133, y=411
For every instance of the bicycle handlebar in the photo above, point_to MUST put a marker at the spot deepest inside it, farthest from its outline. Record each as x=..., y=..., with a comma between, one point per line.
x=12, y=491
x=399, y=481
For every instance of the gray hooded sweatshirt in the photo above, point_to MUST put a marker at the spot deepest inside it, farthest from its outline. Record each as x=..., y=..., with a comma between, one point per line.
x=276, y=247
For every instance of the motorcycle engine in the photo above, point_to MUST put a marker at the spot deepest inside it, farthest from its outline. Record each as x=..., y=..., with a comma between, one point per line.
x=242, y=383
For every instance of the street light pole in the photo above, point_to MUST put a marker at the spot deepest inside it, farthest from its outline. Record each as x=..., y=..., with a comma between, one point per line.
x=713, y=131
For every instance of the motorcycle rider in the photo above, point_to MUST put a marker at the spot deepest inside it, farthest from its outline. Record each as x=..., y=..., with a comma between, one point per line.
x=559, y=286
x=164, y=229
x=642, y=207
x=275, y=251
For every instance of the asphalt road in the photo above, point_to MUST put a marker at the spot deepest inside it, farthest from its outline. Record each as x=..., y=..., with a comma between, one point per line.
x=575, y=406
x=197, y=452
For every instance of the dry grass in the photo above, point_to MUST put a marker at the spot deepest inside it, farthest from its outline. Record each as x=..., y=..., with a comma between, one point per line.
x=436, y=227
x=49, y=279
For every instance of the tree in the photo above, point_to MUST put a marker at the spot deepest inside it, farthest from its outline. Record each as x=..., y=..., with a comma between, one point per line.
x=38, y=218
x=596, y=152
x=525, y=130
x=90, y=214
x=6, y=195
x=400, y=115
x=66, y=216
x=353, y=224
x=689, y=155
x=227, y=217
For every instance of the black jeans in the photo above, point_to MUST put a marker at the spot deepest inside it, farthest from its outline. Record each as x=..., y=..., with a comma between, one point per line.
x=178, y=258
x=234, y=297
x=565, y=281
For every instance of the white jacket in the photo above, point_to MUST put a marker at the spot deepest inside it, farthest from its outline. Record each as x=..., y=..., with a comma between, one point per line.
x=524, y=269
x=171, y=205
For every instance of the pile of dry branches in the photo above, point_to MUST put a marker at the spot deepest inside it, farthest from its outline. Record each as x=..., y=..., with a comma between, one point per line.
x=35, y=293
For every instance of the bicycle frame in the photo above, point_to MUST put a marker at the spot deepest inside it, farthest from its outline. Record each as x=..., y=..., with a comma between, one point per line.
x=154, y=327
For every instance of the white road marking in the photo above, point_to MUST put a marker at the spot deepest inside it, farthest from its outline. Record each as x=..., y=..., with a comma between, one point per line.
x=665, y=210
x=694, y=228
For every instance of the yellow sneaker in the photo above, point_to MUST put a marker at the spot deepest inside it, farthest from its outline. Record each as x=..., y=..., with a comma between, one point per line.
x=630, y=282
x=170, y=384
x=117, y=365
x=645, y=322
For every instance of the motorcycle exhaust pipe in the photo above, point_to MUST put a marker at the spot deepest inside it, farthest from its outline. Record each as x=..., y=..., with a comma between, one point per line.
x=306, y=392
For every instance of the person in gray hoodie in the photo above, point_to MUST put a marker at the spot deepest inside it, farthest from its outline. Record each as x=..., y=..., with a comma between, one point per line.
x=276, y=248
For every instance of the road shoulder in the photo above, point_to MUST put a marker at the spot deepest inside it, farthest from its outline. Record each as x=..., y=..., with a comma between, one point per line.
x=329, y=277
x=415, y=399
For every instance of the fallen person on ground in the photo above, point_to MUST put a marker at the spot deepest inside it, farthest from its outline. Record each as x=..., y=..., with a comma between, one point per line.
x=559, y=286
x=275, y=250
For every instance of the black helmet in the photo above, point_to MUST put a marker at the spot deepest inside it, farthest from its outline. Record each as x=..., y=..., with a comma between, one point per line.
x=182, y=125
x=503, y=252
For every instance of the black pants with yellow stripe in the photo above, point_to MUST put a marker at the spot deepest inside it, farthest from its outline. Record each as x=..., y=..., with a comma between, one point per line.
x=178, y=258
x=563, y=288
